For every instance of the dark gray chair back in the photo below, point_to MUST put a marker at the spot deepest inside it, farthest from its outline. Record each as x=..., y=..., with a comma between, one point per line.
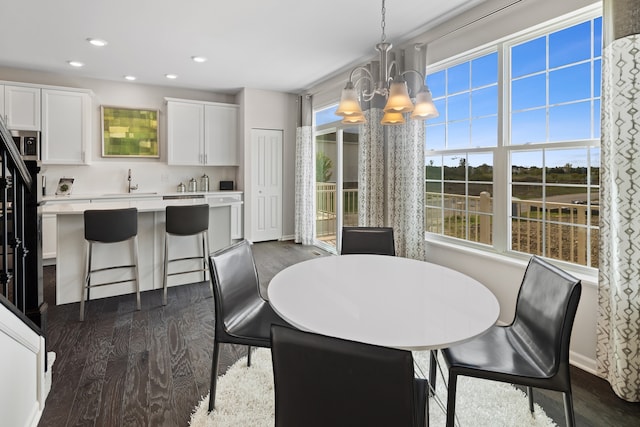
x=326, y=381
x=368, y=240
x=187, y=220
x=110, y=225
x=545, y=311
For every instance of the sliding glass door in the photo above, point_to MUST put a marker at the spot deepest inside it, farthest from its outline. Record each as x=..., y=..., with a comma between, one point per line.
x=336, y=183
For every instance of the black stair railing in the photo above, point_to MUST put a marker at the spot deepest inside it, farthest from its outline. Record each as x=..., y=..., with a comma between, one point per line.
x=21, y=287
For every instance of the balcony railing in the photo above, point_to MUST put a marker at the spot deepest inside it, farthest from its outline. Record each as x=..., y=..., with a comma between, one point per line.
x=563, y=231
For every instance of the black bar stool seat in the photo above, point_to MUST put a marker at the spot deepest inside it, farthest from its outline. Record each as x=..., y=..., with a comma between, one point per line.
x=110, y=226
x=189, y=220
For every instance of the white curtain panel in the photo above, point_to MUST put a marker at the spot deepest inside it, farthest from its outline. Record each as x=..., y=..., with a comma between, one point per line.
x=371, y=170
x=305, y=174
x=405, y=187
x=618, y=328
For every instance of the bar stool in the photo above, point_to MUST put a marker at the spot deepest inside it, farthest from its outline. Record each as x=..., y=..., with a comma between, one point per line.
x=189, y=220
x=110, y=226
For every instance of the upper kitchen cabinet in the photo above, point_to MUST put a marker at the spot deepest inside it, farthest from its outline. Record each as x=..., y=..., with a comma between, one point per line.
x=21, y=107
x=66, y=127
x=202, y=133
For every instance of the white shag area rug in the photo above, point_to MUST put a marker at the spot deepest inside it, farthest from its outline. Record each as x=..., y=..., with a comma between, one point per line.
x=245, y=398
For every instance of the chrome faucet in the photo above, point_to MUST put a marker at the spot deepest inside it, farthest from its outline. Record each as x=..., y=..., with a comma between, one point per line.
x=131, y=187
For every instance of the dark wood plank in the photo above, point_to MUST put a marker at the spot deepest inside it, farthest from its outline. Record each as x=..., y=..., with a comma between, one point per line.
x=158, y=374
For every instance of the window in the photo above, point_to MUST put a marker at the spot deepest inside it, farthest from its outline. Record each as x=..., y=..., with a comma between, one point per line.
x=541, y=138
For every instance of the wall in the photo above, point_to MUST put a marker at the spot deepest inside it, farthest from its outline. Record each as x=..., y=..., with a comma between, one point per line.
x=261, y=109
x=108, y=175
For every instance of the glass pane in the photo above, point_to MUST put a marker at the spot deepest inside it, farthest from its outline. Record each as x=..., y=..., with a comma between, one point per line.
x=458, y=78
x=529, y=92
x=458, y=107
x=484, y=70
x=433, y=220
x=570, y=45
x=327, y=115
x=433, y=167
x=435, y=137
x=480, y=228
x=570, y=122
x=529, y=57
x=484, y=102
x=441, y=106
x=560, y=203
x=455, y=224
x=566, y=166
x=434, y=194
x=480, y=167
x=350, y=150
x=484, y=132
x=570, y=83
x=526, y=166
x=597, y=37
x=437, y=83
x=455, y=195
x=596, y=119
x=454, y=168
x=597, y=77
x=595, y=168
x=458, y=134
x=528, y=127
x=526, y=201
x=326, y=160
x=480, y=198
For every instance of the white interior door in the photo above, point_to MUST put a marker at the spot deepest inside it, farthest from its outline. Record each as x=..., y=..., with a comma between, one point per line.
x=266, y=184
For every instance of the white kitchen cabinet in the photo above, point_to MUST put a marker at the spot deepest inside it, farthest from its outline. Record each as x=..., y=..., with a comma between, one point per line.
x=22, y=107
x=66, y=127
x=236, y=222
x=202, y=133
x=185, y=133
x=49, y=236
x=220, y=134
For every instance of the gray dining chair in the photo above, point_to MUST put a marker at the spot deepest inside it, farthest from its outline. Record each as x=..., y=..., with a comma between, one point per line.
x=368, y=240
x=533, y=350
x=242, y=316
x=326, y=381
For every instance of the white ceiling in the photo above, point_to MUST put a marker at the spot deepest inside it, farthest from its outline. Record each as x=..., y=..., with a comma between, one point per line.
x=282, y=45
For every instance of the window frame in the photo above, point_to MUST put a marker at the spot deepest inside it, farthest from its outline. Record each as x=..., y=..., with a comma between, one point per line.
x=501, y=230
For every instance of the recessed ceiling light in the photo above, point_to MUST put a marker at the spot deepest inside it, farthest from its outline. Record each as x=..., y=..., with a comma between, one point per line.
x=199, y=59
x=76, y=64
x=130, y=78
x=171, y=76
x=97, y=42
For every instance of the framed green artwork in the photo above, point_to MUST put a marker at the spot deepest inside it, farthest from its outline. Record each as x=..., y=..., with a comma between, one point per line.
x=129, y=132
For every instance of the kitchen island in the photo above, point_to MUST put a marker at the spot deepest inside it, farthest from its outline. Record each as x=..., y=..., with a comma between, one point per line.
x=71, y=248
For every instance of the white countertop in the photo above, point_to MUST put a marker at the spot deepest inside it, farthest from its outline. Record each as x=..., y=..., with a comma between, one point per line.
x=135, y=195
x=78, y=206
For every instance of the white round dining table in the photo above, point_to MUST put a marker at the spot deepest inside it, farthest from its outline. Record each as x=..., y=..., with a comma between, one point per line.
x=383, y=300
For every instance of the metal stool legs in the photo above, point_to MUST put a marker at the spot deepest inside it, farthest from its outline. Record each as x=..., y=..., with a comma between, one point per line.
x=204, y=236
x=86, y=289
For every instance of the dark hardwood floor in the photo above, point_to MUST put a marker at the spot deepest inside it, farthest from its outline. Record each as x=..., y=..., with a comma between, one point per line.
x=122, y=367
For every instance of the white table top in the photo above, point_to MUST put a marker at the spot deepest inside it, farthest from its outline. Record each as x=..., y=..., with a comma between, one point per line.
x=389, y=301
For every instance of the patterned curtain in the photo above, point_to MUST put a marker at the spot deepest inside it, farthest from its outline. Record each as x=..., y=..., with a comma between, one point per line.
x=371, y=170
x=305, y=199
x=405, y=187
x=618, y=328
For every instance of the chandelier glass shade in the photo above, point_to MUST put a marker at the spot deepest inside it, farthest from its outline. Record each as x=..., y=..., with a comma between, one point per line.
x=391, y=85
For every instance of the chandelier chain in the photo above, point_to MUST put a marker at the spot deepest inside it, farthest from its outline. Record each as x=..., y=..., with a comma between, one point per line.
x=383, y=23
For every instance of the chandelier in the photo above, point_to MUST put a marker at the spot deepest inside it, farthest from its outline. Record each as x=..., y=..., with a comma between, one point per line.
x=391, y=85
